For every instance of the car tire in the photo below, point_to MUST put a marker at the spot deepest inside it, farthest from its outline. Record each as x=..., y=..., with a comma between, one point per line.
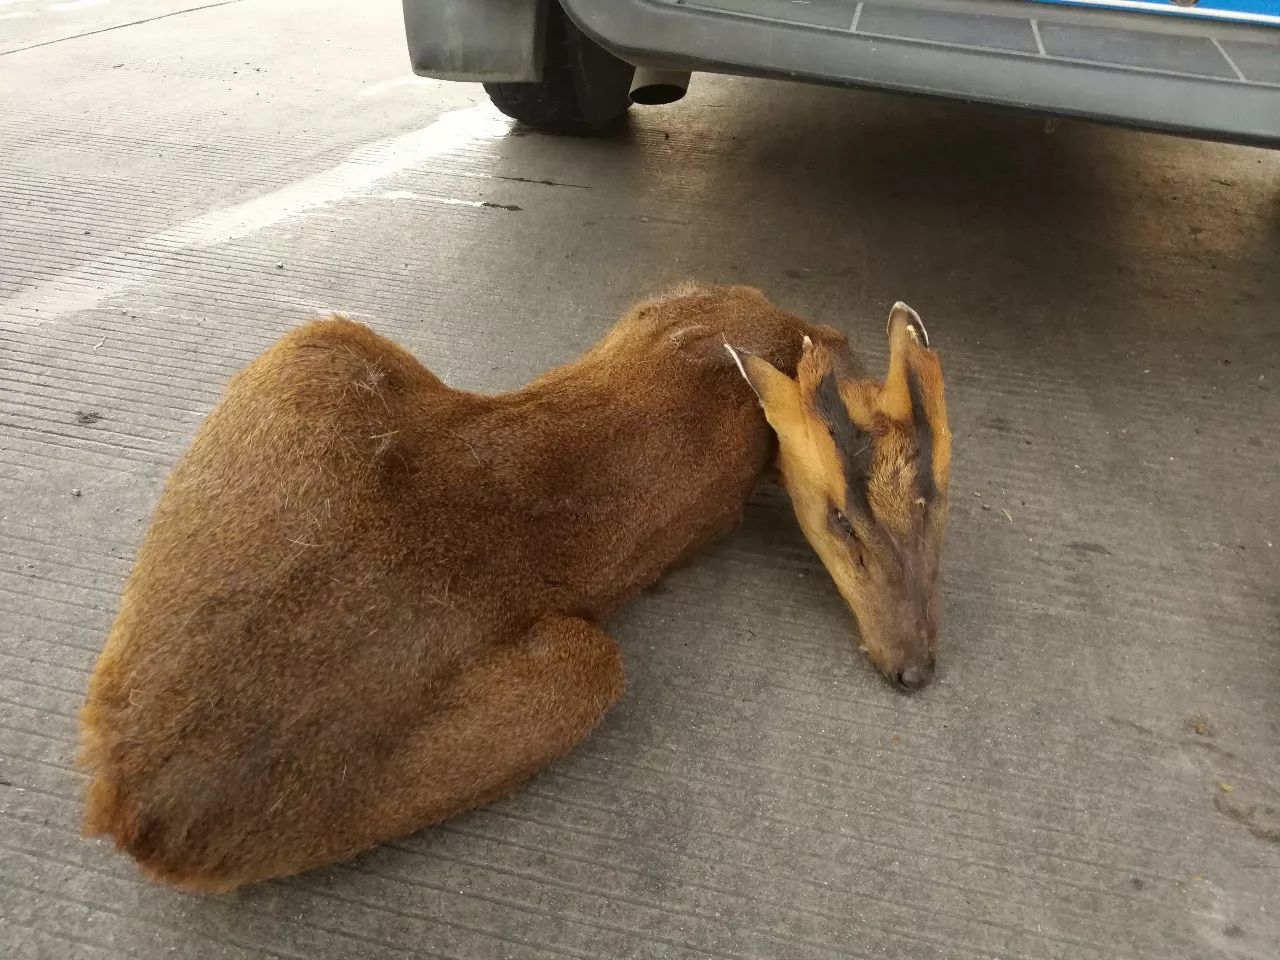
x=584, y=88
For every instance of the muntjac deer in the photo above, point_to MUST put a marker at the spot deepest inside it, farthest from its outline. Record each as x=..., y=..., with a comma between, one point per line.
x=367, y=601
x=868, y=466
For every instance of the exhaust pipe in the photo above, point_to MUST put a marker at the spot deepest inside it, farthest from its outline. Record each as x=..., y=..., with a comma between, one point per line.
x=656, y=87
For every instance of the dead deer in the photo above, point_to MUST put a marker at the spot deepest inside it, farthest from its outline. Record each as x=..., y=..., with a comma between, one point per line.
x=867, y=466
x=367, y=602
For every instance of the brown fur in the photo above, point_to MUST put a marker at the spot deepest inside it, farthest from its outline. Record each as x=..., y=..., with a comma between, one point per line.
x=867, y=464
x=367, y=601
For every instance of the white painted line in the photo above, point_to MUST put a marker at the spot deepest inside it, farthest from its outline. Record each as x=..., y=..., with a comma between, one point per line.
x=1227, y=57
x=377, y=89
x=91, y=283
x=1035, y=30
x=358, y=174
x=857, y=15
x=430, y=198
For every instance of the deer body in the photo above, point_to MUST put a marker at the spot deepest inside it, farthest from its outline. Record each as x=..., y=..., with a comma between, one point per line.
x=368, y=601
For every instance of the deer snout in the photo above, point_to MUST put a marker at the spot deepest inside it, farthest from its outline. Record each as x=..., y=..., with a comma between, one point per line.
x=916, y=660
x=914, y=675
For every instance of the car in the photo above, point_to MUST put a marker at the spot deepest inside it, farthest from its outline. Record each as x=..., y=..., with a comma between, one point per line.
x=1203, y=68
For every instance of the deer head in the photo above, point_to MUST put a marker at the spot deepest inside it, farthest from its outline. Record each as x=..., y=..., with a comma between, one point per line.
x=867, y=467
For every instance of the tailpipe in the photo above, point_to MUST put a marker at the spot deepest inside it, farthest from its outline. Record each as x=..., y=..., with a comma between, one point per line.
x=656, y=87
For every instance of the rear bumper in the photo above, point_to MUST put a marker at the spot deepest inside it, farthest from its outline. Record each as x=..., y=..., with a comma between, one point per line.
x=1193, y=77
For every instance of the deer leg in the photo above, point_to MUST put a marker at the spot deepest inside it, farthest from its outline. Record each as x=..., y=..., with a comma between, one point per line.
x=501, y=720
x=505, y=718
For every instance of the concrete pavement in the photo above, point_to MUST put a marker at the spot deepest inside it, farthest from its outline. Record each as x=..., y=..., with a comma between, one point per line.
x=1095, y=773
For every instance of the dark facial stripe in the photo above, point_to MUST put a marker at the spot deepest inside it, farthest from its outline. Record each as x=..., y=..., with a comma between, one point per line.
x=924, y=438
x=853, y=445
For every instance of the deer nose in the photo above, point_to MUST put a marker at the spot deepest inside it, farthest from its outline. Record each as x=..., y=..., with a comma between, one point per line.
x=914, y=675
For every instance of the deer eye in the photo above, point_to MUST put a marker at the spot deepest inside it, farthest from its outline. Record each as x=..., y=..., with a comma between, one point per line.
x=841, y=522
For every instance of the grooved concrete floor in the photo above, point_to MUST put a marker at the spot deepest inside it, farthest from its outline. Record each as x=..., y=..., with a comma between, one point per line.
x=1095, y=773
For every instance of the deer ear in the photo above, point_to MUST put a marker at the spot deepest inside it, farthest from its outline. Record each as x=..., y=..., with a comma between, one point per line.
x=913, y=391
x=908, y=342
x=778, y=393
